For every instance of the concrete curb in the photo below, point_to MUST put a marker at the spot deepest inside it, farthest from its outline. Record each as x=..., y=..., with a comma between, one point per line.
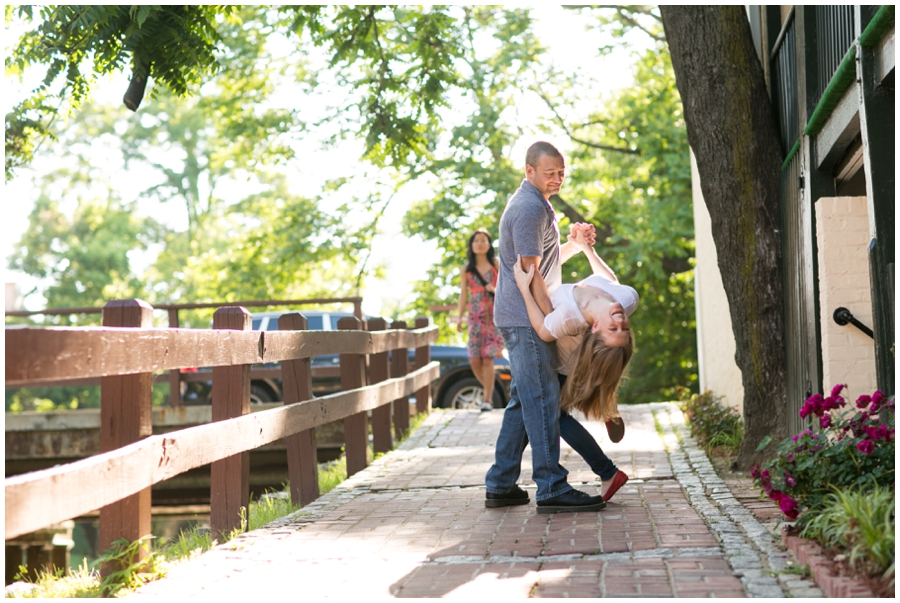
x=810, y=553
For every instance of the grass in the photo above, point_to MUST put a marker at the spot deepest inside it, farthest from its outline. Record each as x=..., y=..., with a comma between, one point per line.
x=85, y=582
x=861, y=522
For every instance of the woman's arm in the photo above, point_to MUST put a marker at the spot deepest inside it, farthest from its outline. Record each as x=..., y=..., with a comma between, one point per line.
x=463, y=297
x=535, y=315
x=598, y=266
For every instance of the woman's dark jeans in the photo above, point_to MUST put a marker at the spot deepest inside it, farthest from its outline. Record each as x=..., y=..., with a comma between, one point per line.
x=584, y=443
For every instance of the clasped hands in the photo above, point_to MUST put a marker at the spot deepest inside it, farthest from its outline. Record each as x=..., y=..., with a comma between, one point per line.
x=582, y=235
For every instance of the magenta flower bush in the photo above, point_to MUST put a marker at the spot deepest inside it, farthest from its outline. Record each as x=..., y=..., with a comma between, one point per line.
x=843, y=448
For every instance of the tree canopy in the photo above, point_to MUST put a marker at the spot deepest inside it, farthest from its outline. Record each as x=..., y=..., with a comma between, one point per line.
x=432, y=93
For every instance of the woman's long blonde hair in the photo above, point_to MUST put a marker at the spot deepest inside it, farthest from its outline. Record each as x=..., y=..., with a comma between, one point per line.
x=592, y=385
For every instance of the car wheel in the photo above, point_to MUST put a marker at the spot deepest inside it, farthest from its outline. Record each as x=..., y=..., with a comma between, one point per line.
x=260, y=395
x=468, y=394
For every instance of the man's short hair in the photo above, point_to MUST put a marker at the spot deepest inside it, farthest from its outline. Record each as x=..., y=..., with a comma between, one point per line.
x=538, y=150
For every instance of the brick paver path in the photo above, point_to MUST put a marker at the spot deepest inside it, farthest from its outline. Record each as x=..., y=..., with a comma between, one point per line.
x=414, y=525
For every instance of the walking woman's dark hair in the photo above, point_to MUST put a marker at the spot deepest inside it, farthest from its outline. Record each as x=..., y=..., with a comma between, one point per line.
x=470, y=255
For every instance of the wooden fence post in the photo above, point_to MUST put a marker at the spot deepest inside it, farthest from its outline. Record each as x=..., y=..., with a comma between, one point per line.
x=296, y=377
x=125, y=418
x=379, y=370
x=356, y=428
x=174, y=376
x=230, y=477
x=423, y=357
x=399, y=368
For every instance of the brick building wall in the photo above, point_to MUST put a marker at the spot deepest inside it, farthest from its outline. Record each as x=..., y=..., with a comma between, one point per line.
x=848, y=354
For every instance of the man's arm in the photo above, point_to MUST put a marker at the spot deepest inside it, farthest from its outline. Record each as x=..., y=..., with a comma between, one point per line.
x=523, y=281
x=538, y=286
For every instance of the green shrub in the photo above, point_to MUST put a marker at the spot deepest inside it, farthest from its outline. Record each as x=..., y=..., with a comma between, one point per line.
x=712, y=425
x=863, y=523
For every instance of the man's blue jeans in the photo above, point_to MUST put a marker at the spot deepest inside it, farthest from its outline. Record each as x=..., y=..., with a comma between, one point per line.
x=532, y=415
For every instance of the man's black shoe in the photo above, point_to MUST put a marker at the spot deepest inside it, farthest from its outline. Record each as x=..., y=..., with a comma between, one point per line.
x=571, y=502
x=513, y=496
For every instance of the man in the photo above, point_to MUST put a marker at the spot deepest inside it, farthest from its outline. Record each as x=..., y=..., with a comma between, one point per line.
x=528, y=229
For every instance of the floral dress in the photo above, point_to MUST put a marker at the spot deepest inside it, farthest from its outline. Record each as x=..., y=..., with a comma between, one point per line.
x=484, y=341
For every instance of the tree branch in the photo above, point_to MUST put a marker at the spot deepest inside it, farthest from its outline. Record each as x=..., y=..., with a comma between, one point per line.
x=593, y=145
x=670, y=265
x=625, y=14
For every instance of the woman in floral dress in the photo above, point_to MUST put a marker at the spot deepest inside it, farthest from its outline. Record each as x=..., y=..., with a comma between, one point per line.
x=479, y=279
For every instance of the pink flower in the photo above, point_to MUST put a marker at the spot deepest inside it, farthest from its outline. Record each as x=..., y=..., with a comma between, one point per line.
x=863, y=401
x=788, y=506
x=790, y=481
x=877, y=433
x=812, y=406
x=765, y=480
x=825, y=421
x=866, y=446
x=776, y=495
x=877, y=398
x=754, y=471
x=836, y=390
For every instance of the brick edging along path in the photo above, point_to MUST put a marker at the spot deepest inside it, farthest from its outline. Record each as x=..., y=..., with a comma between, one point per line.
x=414, y=525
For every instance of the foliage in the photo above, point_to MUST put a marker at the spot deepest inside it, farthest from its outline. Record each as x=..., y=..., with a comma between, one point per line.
x=712, y=425
x=128, y=572
x=219, y=155
x=84, y=255
x=269, y=507
x=45, y=399
x=469, y=169
x=642, y=206
x=398, y=59
x=78, y=43
x=844, y=449
x=332, y=474
x=82, y=583
x=632, y=174
x=860, y=521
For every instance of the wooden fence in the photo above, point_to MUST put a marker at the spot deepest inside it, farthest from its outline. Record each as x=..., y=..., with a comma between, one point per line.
x=174, y=377
x=125, y=352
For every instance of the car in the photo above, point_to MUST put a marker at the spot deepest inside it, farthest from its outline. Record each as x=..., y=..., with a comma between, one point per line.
x=456, y=387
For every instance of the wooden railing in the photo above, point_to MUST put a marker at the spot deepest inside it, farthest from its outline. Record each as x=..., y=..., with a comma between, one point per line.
x=125, y=352
x=175, y=378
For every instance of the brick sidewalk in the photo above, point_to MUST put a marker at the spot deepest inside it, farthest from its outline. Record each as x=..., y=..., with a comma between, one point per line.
x=414, y=525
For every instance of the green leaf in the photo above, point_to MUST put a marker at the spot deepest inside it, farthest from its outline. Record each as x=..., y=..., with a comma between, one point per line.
x=763, y=443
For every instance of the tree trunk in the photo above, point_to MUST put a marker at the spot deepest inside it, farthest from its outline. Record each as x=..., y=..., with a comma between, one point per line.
x=731, y=129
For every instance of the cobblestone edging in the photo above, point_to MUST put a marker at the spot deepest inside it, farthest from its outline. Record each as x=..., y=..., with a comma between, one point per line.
x=751, y=550
x=810, y=553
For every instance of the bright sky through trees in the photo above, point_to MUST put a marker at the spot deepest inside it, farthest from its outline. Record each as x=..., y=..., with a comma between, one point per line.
x=571, y=47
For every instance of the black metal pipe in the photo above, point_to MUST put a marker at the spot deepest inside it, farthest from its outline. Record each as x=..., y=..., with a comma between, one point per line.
x=842, y=316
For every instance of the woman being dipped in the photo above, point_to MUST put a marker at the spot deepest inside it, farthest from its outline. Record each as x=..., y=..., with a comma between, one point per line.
x=478, y=281
x=590, y=324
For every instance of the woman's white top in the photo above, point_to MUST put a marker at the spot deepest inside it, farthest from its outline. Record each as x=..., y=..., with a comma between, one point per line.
x=567, y=324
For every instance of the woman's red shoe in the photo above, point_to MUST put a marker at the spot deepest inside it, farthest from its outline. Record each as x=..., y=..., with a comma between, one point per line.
x=618, y=481
x=616, y=429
